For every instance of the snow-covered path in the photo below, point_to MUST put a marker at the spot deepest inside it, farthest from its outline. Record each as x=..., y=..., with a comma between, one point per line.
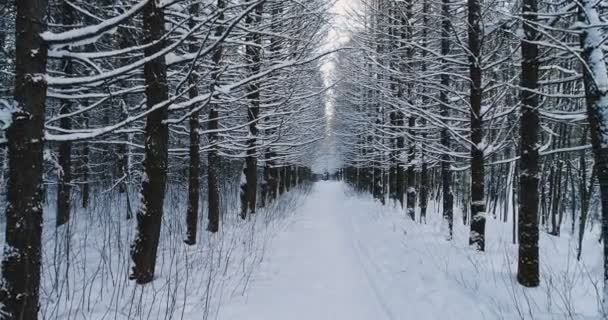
x=338, y=259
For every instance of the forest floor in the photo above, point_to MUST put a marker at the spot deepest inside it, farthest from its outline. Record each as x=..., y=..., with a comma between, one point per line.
x=344, y=256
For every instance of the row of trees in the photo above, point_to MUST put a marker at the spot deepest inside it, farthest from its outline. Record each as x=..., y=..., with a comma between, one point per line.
x=495, y=106
x=121, y=95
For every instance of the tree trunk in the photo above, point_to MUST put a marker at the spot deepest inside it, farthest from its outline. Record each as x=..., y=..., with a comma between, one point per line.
x=272, y=178
x=528, y=265
x=213, y=187
x=194, y=182
x=281, y=180
x=287, y=178
x=424, y=174
x=149, y=216
x=253, y=54
x=294, y=176
x=21, y=261
x=399, y=171
x=411, y=173
x=596, y=88
x=478, y=201
x=64, y=175
x=85, y=174
x=446, y=172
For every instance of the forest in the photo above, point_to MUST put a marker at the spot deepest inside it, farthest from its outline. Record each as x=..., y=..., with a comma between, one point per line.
x=160, y=159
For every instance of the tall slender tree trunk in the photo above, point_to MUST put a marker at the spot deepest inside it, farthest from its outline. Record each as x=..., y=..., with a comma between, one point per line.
x=122, y=160
x=411, y=173
x=85, y=174
x=281, y=180
x=294, y=176
x=446, y=172
x=21, y=261
x=424, y=175
x=254, y=54
x=194, y=181
x=213, y=187
x=64, y=186
x=149, y=216
x=595, y=77
x=287, y=178
x=478, y=201
x=528, y=269
x=395, y=114
x=270, y=183
x=272, y=177
x=400, y=171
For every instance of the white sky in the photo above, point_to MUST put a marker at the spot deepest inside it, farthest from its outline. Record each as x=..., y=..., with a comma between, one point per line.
x=337, y=37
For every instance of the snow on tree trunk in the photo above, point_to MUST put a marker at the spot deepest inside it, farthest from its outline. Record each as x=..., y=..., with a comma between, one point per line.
x=595, y=77
x=411, y=173
x=253, y=54
x=64, y=175
x=21, y=261
x=149, y=216
x=194, y=181
x=86, y=187
x=528, y=269
x=213, y=160
x=424, y=174
x=446, y=172
x=478, y=202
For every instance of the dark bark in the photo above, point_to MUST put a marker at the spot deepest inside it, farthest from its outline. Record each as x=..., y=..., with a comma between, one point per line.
x=478, y=201
x=294, y=176
x=377, y=181
x=424, y=175
x=273, y=178
x=149, y=216
x=122, y=159
x=19, y=290
x=213, y=187
x=399, y=170
x=528, y=264
x=411, y=174
x=64, y=175
x=287, y=178
x=85, y=187
x=194, y=181
x=446, y=172
x=264, y=185
x=281, y=180
x=253, y=55
x=585, y=192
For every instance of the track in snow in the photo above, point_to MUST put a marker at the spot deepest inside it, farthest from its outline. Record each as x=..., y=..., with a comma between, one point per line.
x=342, y=258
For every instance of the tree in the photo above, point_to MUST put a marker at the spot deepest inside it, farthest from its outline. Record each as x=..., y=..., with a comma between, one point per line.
x=595, y=78
x=194, y=181
x=478, y=201
x=213, y=187
x=149, y=216
x=21, y=262
x=528, y=268
x=253, y=53
x=446, y=172
x=65, y=148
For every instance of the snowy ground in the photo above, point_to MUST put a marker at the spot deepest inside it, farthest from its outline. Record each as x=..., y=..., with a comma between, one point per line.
x=86, y=263
x=324, y=253
x=343, y=256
